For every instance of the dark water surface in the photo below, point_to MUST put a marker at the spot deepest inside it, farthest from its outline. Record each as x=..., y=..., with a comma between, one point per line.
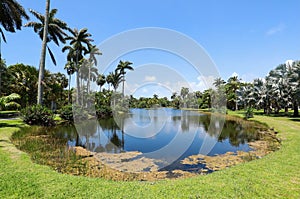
x=167, y=134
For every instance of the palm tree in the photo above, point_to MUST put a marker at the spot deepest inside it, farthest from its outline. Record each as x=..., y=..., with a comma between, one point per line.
x=79, y=44
x=101, y=80
x=56, y=29
x=232, y=86
x=116, y=79
x=122, y=67
x=49, y=29
x=109, y=79
x=218, y=82
x=88, y=73
x=11, y=15
x=70, y=70
x=93, y=72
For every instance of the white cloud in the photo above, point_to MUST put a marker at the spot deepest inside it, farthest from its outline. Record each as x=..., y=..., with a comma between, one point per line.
x=234, y=74
x=276, y=29
x=150, y=78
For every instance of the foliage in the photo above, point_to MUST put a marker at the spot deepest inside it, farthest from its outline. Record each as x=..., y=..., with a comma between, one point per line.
x=248, y=113
x=55, y=29
x=38, y=115
x=8, y=102
x=73, y=113
x=66, y=113
x=11, y=15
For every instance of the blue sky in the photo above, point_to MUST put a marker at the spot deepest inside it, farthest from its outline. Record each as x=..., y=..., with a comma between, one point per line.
x=248, y=37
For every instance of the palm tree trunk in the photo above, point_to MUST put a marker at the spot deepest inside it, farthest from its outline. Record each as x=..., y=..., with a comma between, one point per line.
x=123, y=85
x=88, y=83
x=43, y=55
x=78, y=88
x=77, y=79
x=69, y=89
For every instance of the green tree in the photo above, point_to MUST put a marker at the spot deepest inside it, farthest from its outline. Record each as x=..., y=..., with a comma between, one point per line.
x=70, y=67
x=79, y=44
x=218, y=82
x=233, y=84
x=22, y=79
x=92, y=60
x=122, y=67
x=294, y=79
x=49, y=29
x=100, y=81
x=116, y=79
x=8, y=101
x=11, y=17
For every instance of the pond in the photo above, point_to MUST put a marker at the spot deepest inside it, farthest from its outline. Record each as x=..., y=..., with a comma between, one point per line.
x=166, y=136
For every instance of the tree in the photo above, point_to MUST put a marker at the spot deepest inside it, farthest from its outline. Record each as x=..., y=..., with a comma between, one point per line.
x=11, y=16
x=49, y=29
x=3, y=70
x=55, y=83
x=116, y=79
x=101, y=80
x=93, y=72
x=122, y=67
x=218, y=82
x=184, y=93
x=70, y=70
x=22, y=79
x=79, y=44
x=233, y=84
x=294, y=78
x=55, y=29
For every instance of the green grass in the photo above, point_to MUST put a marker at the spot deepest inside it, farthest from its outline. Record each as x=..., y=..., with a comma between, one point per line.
x=277, y=175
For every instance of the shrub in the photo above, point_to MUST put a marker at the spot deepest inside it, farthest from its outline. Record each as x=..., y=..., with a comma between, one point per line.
x=249, y=113
x=66, y=113
x=69, y=113
x=38, y=115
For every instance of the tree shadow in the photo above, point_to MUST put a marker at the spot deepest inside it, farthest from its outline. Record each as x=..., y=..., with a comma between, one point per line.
x=295, y=119
x=11, y=123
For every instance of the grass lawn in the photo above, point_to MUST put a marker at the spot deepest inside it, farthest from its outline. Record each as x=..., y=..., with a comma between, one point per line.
x=276, y=175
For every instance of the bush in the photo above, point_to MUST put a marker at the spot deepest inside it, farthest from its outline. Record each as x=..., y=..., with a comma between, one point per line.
x=249, y=113
x=71, y=113
x=66, y=113
x=38, y=115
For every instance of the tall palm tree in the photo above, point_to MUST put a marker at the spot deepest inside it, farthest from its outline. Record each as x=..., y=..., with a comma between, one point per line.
x=93, y=71
x=116, y=79
x=109, y=80
x=49, y=29
x=11, y=16
x=101, y=80
x=122, y=67
x=79, y=44
x=56, y=29
x=70, y=70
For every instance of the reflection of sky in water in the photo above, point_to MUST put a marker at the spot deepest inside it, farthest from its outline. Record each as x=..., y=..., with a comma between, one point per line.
x=150, y=130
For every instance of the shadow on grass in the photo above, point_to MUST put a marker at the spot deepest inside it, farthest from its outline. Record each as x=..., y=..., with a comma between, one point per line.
x=11, y=123
x=295, y=119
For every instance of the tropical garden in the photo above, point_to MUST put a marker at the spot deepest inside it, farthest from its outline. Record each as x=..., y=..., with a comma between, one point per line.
x=44, y=98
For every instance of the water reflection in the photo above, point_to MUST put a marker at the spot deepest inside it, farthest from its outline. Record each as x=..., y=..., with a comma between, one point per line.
x=155, y=130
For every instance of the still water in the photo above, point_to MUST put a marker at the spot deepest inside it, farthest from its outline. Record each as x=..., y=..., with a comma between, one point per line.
x=162, y=134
